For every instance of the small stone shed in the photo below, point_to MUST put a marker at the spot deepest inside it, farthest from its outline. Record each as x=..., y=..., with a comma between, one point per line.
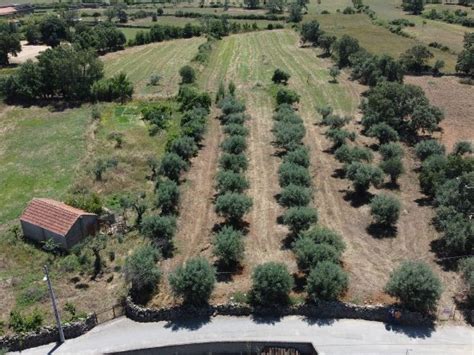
x=45, y=219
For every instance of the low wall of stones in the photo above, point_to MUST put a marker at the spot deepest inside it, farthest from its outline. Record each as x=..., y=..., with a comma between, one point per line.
x=322, y=310
x=47, y=335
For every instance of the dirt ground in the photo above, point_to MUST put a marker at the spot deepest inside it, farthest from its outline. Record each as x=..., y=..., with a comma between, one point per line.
x=28, y=51
x=457, y=102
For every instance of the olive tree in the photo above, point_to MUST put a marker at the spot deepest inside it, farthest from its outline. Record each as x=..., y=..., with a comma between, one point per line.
x=271, y=284
x=233, y=206
x=140, y=269
x=326, y=281
x=385, y=210
x=228, y=181
x=280, y=77
x=429, y=147
x=172, y=165
x=299, y=219
x=294, y=195
x=308, y=253
x=188, y=74
x=363, y=175
x=193, y=281
x=229, y=246
x=415, y=285
x=167, y=196
x=160, y=230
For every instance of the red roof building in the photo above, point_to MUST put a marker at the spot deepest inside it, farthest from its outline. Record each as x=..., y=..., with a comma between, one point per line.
x=45, y=219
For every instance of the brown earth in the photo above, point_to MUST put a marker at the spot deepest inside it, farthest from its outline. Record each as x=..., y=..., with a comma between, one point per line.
x=457, y=102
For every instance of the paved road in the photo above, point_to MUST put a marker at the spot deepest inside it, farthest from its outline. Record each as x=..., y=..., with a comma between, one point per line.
x=328, y=337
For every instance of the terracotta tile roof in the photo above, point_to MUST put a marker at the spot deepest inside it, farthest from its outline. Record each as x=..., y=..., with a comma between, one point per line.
x=7, y=10
x=52, y=215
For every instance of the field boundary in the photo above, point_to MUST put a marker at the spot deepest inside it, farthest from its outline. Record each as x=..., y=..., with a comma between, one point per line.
x=321, y=310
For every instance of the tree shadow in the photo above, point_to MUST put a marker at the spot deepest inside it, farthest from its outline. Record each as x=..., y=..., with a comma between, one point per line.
x=287, y=242
x=415, y=332
x=191, y=322
x=466, y=310
x=339, y=173
x=381, y=231
x=226, y=273
x=266, y=316
x=300, y=281
x=239, y=225
x=319, y=321
x=391, y=186
x=438, y=246
x=424, y=201
x=357, y=199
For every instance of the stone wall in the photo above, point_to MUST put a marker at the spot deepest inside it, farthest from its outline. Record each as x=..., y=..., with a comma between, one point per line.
x=47, y=335
x=322, y=310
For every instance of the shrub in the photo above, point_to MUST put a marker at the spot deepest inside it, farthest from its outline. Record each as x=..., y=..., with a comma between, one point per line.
x=325, y=111
x=339, y=136
x=299, y=219
x=385, y=210
x=346, y=154
x=188, y=74
x=230, y=105
x=293, y=174
x=194, y=129
x=286, y=96
x=235, y=129
x=294, y=195
x=334, y=121
x=466, y=267
x=392, y=167
x=326, y=281
x=154, y=79
x=193, y=281
x=117, y=87
x=298, y=156
x=280, y=77
x=271, y=285
x=167, y=196
x=234, y=118
x=234, y=145
x=172, y=165
x=23, y=324
x=322, y=235
x=308, y=254
x=141, y=271
x=391, y=150
x=70, y=263
x=383, y=132
x=158, y=116
x=233, y=162
x=233, y=206
x=89, y=202
x=185, y=147
x=363, y=175
x=228, y=181
x=427, y=148
x=228, y=246
x=462, y=147
x=160, y=229
x=415, y=285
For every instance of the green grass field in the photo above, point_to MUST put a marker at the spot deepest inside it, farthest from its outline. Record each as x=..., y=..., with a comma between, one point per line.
x=164, y=59
x=40, y=152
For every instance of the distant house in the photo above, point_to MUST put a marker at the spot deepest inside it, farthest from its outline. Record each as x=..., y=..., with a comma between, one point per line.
x=15, y=9
x=45, y=219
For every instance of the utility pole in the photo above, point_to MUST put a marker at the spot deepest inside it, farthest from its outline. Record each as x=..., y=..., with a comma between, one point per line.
x=55, y=308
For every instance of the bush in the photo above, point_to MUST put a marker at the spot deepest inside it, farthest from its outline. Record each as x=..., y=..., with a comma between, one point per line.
x=233, y=162
x=385, y=210
x=308, y=254
x=346, y=154
x=326, y=281
x=280, y=77
x=233, y=206
x=298, y=156
x=230, y=105
x=234, y=144
x=466, y=266
x=427, y=148
x=325, y=111
x=462, y=147
x=167, y=196
x=172, y=165
x=391, y=150
x=23, y=324
x=299, y=219
x=339, y=136
x=70, y=263
x=235, y=129
x=334, y=121
x=289, y=173
x=322, y=235
x=115, y=88
x=238, y=118
x=383, y=132
x=228, y=181
x=160, y=229
x=286, y=96
x=294, y=195
x=89, y=202
x=141, y=271
x=271, y=285
x=229, y=246
x=193, y=281
x=194, y=129
x=363, y=175
x=392, y=167
x=415, y=285
x=185, y=147
x=188, y=74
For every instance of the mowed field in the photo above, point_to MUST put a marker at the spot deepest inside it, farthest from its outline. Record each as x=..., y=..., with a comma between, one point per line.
x=249, y=60
x=164, y=59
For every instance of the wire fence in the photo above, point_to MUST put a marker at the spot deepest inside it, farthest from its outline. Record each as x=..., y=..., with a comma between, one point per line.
x=108, y=314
